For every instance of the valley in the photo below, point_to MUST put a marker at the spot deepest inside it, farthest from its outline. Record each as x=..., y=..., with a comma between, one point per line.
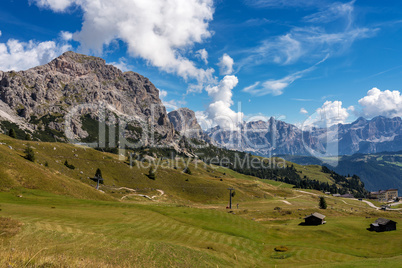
x=64, y=221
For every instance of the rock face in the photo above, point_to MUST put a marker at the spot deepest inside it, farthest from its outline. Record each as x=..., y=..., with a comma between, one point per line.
x=185, y=122
x=275, y=137
x=370, y=136
x=87, y=90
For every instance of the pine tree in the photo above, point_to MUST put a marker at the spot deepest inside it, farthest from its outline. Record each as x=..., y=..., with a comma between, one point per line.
x=29, y=154
x=152, y=173
x=98, y=173
x=12, y=133
x=323, y=203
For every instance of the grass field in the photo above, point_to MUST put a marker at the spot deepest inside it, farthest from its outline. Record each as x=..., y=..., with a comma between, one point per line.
x=59, y=231
x=52, y=217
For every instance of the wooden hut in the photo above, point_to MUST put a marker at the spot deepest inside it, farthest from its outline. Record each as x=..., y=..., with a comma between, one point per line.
x=382, y=225
x=314, y=219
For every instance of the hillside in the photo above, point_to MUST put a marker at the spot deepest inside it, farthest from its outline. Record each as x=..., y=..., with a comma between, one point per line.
x=158, y=206
x=377, y=171
x=48, y=173
x=183, y=221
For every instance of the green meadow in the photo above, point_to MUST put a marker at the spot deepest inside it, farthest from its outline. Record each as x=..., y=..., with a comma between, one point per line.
x=52, y=216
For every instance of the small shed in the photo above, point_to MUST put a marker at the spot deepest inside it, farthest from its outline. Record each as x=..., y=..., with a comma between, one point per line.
x=382, y=225
x=314, y=219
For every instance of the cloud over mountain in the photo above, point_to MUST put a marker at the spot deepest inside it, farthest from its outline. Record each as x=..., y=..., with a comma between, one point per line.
x=219, y=110
x=386, y=103
x=159, y=31
x=16, y=55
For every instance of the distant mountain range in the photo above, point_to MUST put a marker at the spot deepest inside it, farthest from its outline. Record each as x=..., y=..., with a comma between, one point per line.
x=38, y=100
x=82, y=91
x=274, y=137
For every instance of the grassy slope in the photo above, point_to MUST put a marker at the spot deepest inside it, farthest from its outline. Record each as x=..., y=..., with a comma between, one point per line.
x=18, y=174
x=369, y=167
x=71, y=232
x=312, y=172
x=188, y=226
x=206, y=185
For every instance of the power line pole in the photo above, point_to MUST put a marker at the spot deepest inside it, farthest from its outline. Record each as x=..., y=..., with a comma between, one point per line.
x=230, y=199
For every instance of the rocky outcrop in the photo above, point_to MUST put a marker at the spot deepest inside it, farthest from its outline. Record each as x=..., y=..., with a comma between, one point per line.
x=185, y=122
x=75, y=85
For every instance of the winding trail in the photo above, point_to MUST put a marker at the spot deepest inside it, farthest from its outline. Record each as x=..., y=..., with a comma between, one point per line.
x=143, y=195
x=134, y=194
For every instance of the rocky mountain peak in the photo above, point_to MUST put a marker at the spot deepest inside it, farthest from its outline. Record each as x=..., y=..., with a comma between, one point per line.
x=185, y=122
x=43, y=95
x=278, y=137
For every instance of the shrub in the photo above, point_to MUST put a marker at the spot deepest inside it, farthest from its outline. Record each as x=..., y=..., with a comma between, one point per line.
x=187, y=171
x=29, y=154
x=152, y=173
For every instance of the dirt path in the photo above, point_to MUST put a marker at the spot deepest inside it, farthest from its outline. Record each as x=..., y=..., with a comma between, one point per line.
x=286, y=202
x=133, y=194
x=143, y=195
x=306, y=192
x=374, y=206
x=369, y=203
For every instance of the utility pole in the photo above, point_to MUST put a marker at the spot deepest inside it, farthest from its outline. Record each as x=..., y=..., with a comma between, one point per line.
x=230, y=199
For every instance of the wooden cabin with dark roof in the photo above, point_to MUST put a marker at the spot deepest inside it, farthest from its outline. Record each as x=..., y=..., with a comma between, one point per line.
x=382, y=225
x=314, y=219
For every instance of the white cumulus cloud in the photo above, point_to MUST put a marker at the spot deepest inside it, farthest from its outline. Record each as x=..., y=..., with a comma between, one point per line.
x=203, y=120
x=386, y=103
x=66, y=36
x=330, y=113
x=16, y=55
x=219, y=110
x=226, y=64
x=159, y=31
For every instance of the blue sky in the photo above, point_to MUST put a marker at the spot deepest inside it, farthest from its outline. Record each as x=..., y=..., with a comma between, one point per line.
x=289, y=59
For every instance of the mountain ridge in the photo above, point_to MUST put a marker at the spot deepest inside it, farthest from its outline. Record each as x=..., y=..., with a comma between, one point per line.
x=275, y=137
x=39, y=99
